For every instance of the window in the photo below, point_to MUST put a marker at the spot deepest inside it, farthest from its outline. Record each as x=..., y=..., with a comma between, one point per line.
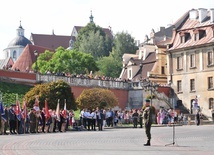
x=187, y=37
x=179, y=63
x=192, y=60
x=14, y=54
x=202, y=34
x=179, y=88
x=210, y=82
x=130, y=74
x=162, y=70
x=210, y=58
x=211, y=103
x=192, y=84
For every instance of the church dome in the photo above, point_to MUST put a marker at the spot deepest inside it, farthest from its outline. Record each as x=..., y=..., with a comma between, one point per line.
x=19, y=41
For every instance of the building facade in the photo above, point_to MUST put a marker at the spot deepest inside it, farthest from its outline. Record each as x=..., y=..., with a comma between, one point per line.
x=191, y=60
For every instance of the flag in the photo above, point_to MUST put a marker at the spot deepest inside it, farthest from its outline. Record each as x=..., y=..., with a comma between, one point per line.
x=2, y=111
x=24, y=110
x=57, y=111
x=1, y=108
x=47, y=114
x=18, y=110
x=36, y=104
x=65, y=111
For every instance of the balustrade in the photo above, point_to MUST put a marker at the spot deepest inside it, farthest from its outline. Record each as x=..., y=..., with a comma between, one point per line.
x=84, y=81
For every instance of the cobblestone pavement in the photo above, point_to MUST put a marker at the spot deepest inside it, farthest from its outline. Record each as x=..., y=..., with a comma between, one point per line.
x=189, y=140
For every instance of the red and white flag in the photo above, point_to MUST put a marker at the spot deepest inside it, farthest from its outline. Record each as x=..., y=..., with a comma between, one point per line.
x=18, y=110
x=47, y=114
x=36, y=104
x=57, y=111
x=65, y=110
x=24, y=113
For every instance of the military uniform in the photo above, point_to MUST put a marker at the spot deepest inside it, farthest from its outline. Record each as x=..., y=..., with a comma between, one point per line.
x=135, y=119
x=147, y=120
x=33, y=119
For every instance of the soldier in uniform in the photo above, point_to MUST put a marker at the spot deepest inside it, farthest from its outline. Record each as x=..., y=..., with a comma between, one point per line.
x=147, y=120
x=135, y=118
x=141, y=118
x=33, y=119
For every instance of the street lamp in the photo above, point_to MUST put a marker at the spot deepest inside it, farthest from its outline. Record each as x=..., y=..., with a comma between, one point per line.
x=150, y=86
x=36, y=55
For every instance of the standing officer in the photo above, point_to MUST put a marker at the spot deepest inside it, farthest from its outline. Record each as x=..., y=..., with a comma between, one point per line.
x=147, y=120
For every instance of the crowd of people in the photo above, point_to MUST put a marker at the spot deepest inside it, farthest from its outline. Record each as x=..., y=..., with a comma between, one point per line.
x=38, y=121
x=109, y=118
x=35, y=121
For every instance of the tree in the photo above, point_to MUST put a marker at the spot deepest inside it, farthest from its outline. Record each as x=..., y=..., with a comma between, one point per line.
x=53, y=91
x=109, y=66
x=43, y=61
x=95, y=38
x=96, y=97
x=123, y=43
x=68, y=61
x=93, y=44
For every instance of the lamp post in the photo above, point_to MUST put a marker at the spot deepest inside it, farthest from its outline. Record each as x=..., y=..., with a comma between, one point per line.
x=149, y=86
x=36, y=55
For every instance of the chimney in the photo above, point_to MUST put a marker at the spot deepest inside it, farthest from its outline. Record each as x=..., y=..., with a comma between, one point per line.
x=212, y=15
x=193, y=14
x=202, y=13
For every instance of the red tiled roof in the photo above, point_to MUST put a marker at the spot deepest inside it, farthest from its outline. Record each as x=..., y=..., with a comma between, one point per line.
x=27, y=58
x=50, y=41
x=190, y=26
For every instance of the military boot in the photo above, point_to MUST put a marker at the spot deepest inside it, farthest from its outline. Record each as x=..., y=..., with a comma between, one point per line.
x=148, y=143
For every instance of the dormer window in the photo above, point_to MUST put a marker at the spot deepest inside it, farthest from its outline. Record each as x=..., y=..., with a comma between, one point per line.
x=184, y=37
x=199, y=34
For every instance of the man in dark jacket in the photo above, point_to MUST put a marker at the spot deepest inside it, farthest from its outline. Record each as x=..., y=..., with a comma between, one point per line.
x=12, y=119
x=135, y=118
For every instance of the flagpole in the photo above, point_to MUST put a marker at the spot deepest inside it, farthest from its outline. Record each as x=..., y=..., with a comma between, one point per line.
x=24, y=110
x=16, y=115
x=2, y=103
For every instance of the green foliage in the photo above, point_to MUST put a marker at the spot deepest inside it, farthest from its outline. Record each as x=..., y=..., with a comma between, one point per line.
x=123, y=43
x=93, y=44
x=109, y=66
x=96, y=97
x=11, y=90
x=92, y=39
x=43, y=61
x=67, y=61
x=53, y=92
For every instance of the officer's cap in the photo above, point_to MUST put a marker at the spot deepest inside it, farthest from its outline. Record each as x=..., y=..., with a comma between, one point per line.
x=147, y=100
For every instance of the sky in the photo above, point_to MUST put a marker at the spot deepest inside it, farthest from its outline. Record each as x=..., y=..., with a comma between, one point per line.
x=136, y=17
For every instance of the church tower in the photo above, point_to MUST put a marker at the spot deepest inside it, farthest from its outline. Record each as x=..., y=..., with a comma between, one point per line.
x=16, y=46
